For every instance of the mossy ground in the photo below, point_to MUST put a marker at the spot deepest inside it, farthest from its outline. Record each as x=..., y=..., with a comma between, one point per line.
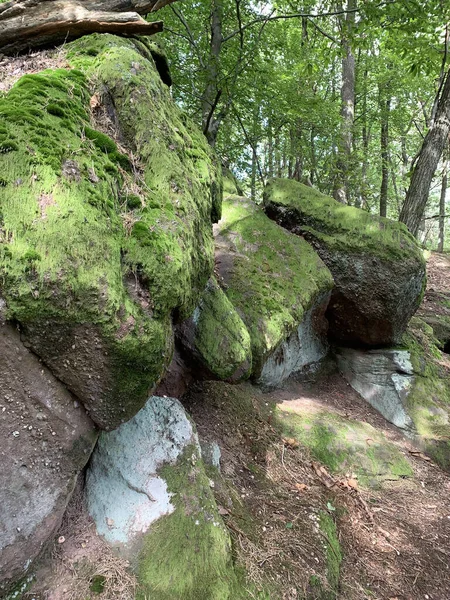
x=344, y=446
x=275, y=276
x=343, y=227
x=187, y=556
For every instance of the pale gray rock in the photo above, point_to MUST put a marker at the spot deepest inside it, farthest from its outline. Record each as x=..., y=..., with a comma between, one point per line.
x=301, y=352
x=383, y=377
x=125, y=494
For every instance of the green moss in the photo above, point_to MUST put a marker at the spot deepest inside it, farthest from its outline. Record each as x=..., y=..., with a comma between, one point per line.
x=186, y=188
x=428, y=402
x=133, y=202
x=339, y=226
x=342, y=445
x=275, y=276
x=221, y=338
x=98, y=584
x=187, y=556
x=333, y=554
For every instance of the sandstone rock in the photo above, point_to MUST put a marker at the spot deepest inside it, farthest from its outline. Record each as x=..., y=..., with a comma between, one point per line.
x=217, y=338
x=278, y=285
x=410, y=386
x=384, y=378
x=45, y=440
x=377, y=266
x=93, y=274
x=150, y=498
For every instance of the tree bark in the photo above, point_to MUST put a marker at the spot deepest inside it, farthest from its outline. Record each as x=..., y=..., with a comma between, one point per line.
x=211, y=123
x=433, y=145
x=30, y=24
x=440, y=247
x=385, y=105
x=341, y=191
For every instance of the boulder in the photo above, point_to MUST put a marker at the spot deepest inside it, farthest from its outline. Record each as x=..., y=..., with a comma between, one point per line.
x=409, y=386
x=384, y=378
x=377, y=266
x=279, y=286
x=46, y=439
x=216, y=337
x=109, y=240
x=150, y=499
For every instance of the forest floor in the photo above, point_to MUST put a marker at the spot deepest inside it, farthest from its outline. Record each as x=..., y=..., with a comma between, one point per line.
x=393, y=538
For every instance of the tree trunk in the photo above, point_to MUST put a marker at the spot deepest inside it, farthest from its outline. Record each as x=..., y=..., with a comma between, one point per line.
x=30, y=24
x=430, y=153
x=341, y=191
x=211, y=94
x=442, y=206
x=385, y=104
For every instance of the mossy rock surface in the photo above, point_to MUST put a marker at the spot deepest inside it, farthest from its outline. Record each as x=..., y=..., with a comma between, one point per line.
x=271, y=277
x=217, y=337
x=428, y=402
x=377, y=266
x=93, y=282
x=344, y=446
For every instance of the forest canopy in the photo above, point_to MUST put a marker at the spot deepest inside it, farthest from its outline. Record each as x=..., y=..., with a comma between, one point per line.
x=337, y=95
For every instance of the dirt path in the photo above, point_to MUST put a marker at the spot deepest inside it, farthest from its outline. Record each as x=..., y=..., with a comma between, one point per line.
x=395, y=540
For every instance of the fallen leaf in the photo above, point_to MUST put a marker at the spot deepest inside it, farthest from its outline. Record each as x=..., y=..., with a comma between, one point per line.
x=223, y=511
x=301, y=487
x=94, y=102
x=352, y=483
x=291, y=442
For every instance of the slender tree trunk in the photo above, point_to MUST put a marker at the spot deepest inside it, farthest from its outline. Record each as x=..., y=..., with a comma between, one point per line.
x=430, y=153
x=385, y=105
x=341, y=185
x=270, y=151
x=442, y=203
x=211, y=94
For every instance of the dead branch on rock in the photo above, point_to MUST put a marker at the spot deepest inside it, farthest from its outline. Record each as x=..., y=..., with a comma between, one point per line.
x=30, y=24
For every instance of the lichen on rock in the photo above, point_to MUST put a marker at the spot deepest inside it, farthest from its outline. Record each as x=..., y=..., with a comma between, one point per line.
x=377, y=266
x=150, y=498
x=273, y=279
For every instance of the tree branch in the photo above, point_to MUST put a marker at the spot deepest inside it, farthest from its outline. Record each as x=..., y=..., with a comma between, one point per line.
x=29, y=24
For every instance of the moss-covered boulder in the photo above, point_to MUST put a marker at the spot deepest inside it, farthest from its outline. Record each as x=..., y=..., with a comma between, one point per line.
x=104, y=241
x=151, y=499
x=216, y=337
x=278, y=285
x=428, y=402
x=409, y=386
x=344, y=446
x=377, y=266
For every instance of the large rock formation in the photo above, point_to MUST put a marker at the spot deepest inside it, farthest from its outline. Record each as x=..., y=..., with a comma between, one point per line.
x=107, y=240
x=409, y=386
x=149, y=496
x=377, y=267
x=217, y=338
x=279, y=286
x=46, y=439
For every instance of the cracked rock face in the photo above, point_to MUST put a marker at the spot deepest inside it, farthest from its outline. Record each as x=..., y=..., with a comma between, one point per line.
x=46, y=439
x=125, y=494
